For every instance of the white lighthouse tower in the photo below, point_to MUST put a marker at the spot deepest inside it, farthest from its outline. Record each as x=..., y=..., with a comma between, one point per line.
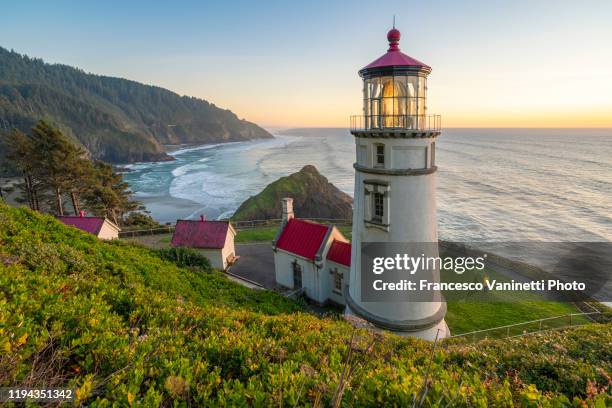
x=395, y=184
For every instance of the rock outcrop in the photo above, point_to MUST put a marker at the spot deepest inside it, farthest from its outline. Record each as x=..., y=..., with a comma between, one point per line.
x=313, y=197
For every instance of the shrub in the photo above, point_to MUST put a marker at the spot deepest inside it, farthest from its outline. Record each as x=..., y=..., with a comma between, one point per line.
x=138, y=220
x=185, y=257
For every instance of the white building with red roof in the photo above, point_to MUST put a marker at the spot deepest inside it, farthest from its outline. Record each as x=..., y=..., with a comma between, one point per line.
x=213, y=239
x=311, y=256
x=101, y=227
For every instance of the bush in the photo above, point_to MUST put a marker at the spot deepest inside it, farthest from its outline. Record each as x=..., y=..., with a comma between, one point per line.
x=138, y=220
x=185, y=257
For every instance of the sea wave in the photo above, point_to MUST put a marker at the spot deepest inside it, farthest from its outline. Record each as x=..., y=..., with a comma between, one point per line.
x=492, y=184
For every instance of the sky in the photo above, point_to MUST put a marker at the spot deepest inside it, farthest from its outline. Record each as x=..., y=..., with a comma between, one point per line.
x=294, y=64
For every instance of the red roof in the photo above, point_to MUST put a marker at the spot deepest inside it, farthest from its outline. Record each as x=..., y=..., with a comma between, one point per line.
x=394, y=57
x=200, y=234
x=340, y=252
x=87, y=224
x=303, y=238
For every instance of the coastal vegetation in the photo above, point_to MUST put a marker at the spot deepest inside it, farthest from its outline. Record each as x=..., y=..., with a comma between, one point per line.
x=313, y=197
x=53, y=169
x=113, y=119
x=127, y=325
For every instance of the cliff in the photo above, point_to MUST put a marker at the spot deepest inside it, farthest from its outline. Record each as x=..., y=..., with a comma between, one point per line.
x=115, y=119
x=313, y=197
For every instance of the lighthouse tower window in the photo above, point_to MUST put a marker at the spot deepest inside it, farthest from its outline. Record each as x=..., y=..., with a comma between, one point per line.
x=378, y=207
x=379, y=159
x=376, y=203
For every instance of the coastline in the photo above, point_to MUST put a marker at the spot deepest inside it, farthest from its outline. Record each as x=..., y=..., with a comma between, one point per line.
x=10, y=192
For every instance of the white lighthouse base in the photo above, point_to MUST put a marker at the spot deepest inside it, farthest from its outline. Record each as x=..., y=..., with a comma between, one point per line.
x=439, y=331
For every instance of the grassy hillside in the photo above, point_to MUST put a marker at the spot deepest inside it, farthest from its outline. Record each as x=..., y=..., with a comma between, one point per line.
x=115, y=119
x=124, y=327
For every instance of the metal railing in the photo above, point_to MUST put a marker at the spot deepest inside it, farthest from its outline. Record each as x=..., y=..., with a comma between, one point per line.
x=530, y=327
x=430, y=123
x=238, y=225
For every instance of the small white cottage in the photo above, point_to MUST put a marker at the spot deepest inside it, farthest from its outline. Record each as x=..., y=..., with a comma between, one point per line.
x=214, y=240
x=101, y=227
x=311, y=256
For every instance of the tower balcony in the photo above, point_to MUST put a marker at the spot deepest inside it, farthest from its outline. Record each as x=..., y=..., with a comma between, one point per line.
x=422, y=125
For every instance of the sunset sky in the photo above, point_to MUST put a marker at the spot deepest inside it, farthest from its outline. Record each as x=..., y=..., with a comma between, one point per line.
x=284, y=64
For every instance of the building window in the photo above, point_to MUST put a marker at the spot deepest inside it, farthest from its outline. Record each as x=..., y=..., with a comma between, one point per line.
x=379, y=159
x=378, y=207
x=376, y=203
x=297, y=275
x=337, y=276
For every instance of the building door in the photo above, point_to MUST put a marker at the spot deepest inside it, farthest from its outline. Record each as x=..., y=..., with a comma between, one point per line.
x=297, y=275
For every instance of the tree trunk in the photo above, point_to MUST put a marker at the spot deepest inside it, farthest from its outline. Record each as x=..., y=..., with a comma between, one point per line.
x=34, y=193
x=35, y=197
x=58, y=200
x=114, y=215
x=28, y=189
x=75, y=203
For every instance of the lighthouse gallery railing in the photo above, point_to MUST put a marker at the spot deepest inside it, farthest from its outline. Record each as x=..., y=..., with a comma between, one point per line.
x=396, y=122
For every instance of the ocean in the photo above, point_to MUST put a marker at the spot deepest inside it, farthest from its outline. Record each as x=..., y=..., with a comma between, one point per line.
x=493, y=184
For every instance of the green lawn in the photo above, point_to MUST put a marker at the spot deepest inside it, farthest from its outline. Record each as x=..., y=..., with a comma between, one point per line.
x=256, y=235
x=486, y=309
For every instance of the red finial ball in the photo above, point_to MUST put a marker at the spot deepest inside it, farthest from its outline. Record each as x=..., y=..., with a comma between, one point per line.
x=393, y=36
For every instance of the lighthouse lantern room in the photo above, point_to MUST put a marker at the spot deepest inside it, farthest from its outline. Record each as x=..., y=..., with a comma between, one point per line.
x=395, y=183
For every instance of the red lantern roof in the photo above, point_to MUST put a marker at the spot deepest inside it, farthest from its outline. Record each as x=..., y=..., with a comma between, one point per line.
x=340, y=252
x=394, y=57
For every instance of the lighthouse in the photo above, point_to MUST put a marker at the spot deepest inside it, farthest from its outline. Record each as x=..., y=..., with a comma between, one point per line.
x=395, y=186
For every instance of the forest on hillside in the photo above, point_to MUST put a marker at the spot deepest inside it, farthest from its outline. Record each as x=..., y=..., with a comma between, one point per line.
x=114, y=119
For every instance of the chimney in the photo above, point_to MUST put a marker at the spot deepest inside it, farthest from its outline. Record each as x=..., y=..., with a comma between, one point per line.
x=82, y=213
x=287, y=209
x=202, y=218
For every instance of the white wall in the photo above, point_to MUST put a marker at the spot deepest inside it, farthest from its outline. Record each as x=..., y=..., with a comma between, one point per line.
x=215, y=256
x=108, y=231
x=228, y=248
x=328, y=285
x=283, y=269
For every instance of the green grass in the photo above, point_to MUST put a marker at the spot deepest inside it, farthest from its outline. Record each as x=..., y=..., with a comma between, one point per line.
x=262, y=234
x=488, y=309
x=123, y=327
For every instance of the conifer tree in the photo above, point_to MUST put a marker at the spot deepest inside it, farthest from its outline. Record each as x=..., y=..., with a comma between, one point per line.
x=58, y=162
x=22, y=155
x=110, y=195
